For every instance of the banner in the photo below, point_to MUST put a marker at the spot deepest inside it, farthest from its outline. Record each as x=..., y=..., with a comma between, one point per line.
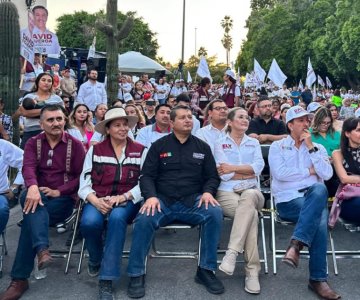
x=310, y=75
x=320, y=81
x=259, y=72
x=276, y=75
x=91, y=53
x=26, y=41
x=328, y=82
x=301, y=86
x=203, y=69
x=43, y=40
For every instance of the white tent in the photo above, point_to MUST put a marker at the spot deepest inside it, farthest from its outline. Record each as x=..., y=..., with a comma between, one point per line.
x=135, y=62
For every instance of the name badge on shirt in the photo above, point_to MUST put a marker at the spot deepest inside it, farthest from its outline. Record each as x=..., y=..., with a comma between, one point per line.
x=251, y=146
x=198, y=155
x=286, y=148
x=165, y=154
x=226, y=146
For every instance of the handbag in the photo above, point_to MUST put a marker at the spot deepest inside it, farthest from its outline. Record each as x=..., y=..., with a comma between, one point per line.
x=344, y=192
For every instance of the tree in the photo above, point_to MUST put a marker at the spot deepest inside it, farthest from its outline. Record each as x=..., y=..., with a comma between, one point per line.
x=227, y=24
x=76, y=31
x=114, y=33
x=202, y=52
x=259, y=4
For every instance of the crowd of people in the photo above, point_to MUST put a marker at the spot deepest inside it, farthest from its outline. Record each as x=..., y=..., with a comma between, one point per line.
x=166, y=152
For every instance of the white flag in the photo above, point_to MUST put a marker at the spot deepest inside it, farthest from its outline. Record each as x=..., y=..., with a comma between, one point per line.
x=320, y=81
x=189, y=79
x=301, y=86
x=310, y=77
x=91, y=53
x=259, y=71
x=247, y=82
x=238, y=78
x=328, y=82
x=203, y=69
x=275, y=74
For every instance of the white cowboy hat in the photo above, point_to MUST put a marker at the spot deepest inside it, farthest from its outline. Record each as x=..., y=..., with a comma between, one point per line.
x=112, y=114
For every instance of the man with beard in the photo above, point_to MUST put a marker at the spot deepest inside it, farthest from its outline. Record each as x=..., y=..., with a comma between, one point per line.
x=265, y=128
x=149, y=134
x=92, y=92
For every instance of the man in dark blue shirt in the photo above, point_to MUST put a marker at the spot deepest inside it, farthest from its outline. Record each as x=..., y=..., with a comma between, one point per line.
x=178, y=181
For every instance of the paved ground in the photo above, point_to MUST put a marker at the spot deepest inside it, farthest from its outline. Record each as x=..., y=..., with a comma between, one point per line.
x=174, y=278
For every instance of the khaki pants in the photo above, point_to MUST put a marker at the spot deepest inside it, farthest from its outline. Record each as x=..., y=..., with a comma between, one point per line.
x=243, y=209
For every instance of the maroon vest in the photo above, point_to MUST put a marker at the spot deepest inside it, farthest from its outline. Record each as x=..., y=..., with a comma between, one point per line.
x=202, y=94
x=108, y=177
x=229, y=96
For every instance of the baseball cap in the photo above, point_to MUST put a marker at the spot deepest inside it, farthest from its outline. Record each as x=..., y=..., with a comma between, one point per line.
x=295, y=112
x=177, y=80
x=128, y=97
x=313, y=106
x=230, y=73
x=357, y=113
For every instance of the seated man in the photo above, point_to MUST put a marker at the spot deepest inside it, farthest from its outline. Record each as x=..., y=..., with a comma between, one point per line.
x=52, y=166
x=265, y=128
x=178, y=181
x=299, y=168
x=10, y=156
x=149, y=134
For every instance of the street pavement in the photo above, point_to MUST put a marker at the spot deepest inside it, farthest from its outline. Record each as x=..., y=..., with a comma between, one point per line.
x=174, y=278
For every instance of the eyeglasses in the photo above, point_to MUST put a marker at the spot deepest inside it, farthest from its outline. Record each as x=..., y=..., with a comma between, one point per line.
x=325, y=123
x=219, y=108
x=50, y=155
x=266, y=106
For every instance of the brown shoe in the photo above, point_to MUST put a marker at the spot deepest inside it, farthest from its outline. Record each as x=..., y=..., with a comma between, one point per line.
x=44, y=259
x=291, y=257
x=323, y=290
x=15, y=290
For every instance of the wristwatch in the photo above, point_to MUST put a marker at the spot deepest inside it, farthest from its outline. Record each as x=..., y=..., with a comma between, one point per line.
x=314, y=149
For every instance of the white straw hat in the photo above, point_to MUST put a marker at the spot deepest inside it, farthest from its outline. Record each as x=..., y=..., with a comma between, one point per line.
x=112, y=114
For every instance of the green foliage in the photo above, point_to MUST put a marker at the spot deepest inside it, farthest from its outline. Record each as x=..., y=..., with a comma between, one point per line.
x=327, y=31
x=77, y=30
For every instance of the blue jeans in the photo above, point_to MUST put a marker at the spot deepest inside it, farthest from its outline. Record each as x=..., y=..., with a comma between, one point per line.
x=145, y=227
x=350, y=210
x=310, y=213
x=4, y=212
x=34, y=234
x=92, y=227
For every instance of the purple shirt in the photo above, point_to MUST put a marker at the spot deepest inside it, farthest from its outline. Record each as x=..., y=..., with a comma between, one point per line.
x=50, y=170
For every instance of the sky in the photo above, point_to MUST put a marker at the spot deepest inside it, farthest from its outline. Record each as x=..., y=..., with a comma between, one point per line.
x=165, y=17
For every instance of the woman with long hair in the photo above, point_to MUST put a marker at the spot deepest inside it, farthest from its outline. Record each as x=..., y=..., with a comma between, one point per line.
x=100, y=111
x=347, y=166
x=337, y=124
x=42, y=92
x=137, y=92
x=276, y=108
x=239, y=160
x=132, y=110
x=80, y=125
x=109, y=184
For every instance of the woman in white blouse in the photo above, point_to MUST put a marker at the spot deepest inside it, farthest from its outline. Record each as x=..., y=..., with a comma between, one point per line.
x=239, y=161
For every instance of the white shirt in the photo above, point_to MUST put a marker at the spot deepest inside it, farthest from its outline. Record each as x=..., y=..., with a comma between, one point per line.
x=45, y=42
x=210, y=135
x=92, y=94
x=147, y=135
x=289, y=168
x=196, y=125
x=85, y=187
x=123, y=89
x=247, y=153
x=10, y=156
x=161, y=91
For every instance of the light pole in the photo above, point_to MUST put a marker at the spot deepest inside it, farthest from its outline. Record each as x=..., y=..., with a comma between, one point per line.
x=195, y=41
x=183, y=43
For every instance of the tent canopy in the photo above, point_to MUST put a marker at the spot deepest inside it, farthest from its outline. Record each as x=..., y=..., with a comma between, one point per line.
x=135, y=62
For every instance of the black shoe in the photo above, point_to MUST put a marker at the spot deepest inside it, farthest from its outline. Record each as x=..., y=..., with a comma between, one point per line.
x=77, y=240
x=93, y=270
x=136, y=288
x=209, y=280
x=105, y=290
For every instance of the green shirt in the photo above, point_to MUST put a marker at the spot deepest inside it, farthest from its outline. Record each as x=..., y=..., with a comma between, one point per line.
x=331, y=142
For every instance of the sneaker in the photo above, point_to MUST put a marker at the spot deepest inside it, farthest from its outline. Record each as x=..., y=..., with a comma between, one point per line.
x=105, y=290
x=209, y=280
x=252, y=285
x=229, y=261
x=93, y=270
x=136, y=288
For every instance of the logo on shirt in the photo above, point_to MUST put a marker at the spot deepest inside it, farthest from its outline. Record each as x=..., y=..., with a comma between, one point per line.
x=286, y=148
x=226, y=146
x=198, y=155
x=134, y=154
x=165, y=154
x=251, y=146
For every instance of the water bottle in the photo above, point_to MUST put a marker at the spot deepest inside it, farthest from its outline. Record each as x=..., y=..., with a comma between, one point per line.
x=38, y=274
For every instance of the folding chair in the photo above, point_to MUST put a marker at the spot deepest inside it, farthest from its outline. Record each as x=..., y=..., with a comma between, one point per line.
x=277, y=253
x=3, y=251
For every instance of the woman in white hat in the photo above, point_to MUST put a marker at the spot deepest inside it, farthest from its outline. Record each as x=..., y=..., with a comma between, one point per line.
x=109, y=186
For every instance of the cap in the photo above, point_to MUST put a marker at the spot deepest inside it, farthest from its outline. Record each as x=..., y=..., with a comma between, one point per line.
x=295, y=112
x=313, y=106
x=285, y=106
x=128, y=97
x=230, y=73
x=177, y=80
